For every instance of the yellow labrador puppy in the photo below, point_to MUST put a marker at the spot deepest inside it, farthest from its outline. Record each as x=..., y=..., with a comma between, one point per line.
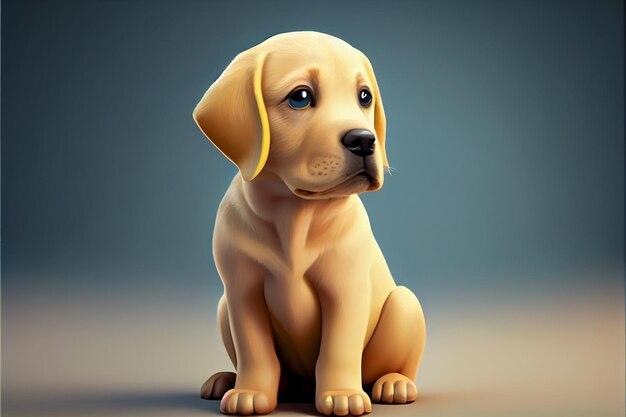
x=307, y=291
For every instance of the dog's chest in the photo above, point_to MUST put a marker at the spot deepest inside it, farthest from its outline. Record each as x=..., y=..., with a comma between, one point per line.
x=288, y=243
x=292, y=301
x=296, y=320
x=289, y=295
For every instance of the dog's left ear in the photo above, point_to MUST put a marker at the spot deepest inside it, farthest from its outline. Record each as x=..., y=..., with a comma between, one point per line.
x=232, y=114
x=380, y=122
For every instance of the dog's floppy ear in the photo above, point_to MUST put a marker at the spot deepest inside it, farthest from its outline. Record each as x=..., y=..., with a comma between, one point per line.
x=232, y=114
x=380, y=122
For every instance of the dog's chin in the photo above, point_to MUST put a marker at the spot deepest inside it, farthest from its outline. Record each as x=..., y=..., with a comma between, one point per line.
x=357, y=183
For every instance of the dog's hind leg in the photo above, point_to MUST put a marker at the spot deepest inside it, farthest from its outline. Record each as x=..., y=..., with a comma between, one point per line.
x=216, y=386
x=392, y=356
x=224, y=326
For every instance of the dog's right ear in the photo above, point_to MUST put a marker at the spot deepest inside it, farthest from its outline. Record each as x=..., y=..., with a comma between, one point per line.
x=380, y=122
x=232, y=114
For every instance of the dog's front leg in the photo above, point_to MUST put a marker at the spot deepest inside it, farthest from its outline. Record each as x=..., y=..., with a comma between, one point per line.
x=345, y=313
x=258, y=368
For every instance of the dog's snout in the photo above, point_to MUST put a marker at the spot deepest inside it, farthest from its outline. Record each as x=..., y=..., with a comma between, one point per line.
x=359, y=141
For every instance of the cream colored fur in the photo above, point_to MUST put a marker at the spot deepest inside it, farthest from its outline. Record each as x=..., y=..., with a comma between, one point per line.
x=306, y=287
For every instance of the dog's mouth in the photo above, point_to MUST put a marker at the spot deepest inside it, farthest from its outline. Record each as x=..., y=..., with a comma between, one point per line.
x=357, y=183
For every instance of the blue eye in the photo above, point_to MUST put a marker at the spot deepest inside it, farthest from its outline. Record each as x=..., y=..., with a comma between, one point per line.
x=300, y=99
x=365, y=97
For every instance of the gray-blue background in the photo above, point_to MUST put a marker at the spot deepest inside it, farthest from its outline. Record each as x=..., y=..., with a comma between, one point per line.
x=504, y=213
x=505, y=129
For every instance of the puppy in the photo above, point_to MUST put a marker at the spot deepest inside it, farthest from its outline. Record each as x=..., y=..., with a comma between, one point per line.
x=307, y=291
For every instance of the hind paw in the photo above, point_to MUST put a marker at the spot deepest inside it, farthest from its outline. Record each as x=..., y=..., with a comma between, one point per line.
x=394, y=388
x=215, y=387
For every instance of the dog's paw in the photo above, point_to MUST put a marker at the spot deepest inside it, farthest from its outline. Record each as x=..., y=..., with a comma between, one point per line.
x=394, y=388
x=215, y=387
x=343, y=402
x=246, y=402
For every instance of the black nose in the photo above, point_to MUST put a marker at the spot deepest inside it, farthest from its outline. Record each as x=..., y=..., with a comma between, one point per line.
x=359, y=142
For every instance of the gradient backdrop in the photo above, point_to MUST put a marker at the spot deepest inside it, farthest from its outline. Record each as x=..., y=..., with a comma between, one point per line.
x=504, y=213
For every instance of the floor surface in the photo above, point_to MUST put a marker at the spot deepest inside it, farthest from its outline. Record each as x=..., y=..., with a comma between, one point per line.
x=558, y=353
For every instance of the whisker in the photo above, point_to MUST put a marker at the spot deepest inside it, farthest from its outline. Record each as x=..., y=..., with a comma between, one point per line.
x=389, y=170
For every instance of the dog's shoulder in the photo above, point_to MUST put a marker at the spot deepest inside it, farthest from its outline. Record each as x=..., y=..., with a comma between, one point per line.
x=233, y=198
x=237, y=227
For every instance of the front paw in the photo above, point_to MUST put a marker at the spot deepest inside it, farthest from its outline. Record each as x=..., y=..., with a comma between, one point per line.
x=343, y=402
x=246, y=402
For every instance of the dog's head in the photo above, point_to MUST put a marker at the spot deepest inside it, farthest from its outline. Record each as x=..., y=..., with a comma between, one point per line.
x=302, y=106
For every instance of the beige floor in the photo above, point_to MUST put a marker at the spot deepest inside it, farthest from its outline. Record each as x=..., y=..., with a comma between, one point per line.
x=560, y=353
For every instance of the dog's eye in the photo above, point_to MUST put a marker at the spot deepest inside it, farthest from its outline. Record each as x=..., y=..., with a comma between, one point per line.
x=300, y=99
x=365, y=97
